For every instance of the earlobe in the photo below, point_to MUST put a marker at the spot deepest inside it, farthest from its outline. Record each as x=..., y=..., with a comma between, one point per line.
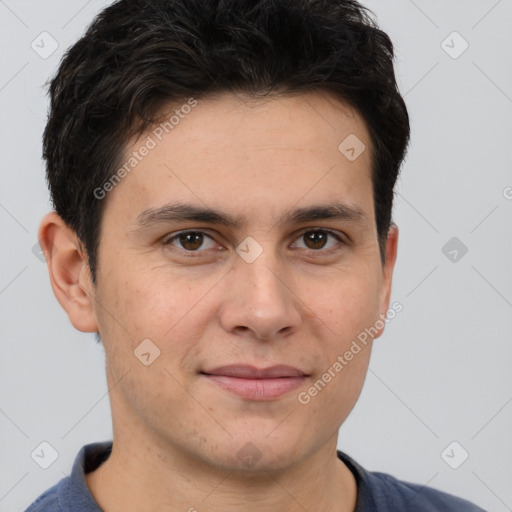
x=69, y=272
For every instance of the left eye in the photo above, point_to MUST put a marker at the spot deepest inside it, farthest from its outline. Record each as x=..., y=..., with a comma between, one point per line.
x=318, y=238
x=191, y=241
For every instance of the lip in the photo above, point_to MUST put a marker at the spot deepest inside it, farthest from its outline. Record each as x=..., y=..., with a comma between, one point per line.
x=259, y=384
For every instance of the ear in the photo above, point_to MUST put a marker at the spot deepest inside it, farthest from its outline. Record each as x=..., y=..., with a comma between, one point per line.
x=70, y=276
x=387, y=273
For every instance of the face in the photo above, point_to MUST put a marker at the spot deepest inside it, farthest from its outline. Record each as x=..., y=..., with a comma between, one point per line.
x=247, y=315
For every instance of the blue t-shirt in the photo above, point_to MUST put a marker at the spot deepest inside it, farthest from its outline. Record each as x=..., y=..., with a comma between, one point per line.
x=376, y=492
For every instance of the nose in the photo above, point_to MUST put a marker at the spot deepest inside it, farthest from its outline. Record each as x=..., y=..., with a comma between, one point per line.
x=259, y=300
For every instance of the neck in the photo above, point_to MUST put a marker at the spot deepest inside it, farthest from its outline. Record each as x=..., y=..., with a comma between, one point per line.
x=138, y=477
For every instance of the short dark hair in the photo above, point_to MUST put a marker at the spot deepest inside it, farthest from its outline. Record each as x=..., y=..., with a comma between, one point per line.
x=139, y=55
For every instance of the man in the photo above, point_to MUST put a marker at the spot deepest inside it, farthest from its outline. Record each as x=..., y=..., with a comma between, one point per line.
x=222, y=174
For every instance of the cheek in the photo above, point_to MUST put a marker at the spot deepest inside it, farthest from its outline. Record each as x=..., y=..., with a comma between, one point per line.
x=150, y=304
x=171, y=311
x=350, y=306
x=352, y=315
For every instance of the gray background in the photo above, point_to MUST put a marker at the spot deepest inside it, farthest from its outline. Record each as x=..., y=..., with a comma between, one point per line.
x=441, y=372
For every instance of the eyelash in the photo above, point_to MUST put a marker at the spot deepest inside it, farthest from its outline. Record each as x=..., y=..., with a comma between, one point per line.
x=168, y=241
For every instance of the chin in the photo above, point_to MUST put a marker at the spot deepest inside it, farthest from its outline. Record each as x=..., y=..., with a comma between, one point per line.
x=259, y=453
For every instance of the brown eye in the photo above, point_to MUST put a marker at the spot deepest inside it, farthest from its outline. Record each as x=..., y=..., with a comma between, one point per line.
x=317, y=240
x=189, y=241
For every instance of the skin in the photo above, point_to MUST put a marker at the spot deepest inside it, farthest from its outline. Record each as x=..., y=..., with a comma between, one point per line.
x=176, y=433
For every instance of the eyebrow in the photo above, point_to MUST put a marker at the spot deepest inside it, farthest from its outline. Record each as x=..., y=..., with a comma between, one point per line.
x=183, y=212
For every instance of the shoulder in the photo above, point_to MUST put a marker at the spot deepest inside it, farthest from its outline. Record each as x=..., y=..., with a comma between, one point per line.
x=72, y=493
x=409, y=496
x=47, y=502
x=382, y=492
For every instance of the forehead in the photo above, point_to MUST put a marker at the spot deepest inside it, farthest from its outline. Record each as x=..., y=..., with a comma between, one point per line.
x=313, y=120
x=234, y=149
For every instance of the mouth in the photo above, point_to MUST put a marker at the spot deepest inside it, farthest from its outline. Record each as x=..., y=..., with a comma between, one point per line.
x=258, y=384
